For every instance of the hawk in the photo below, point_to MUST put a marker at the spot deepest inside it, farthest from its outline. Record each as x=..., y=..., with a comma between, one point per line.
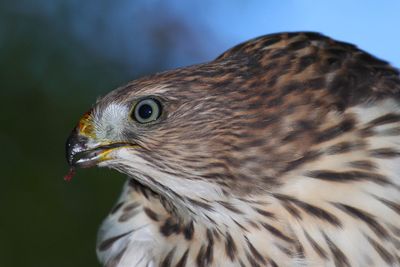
x=283, y=151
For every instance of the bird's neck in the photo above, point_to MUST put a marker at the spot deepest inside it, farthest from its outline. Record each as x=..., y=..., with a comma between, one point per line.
x=240, y=229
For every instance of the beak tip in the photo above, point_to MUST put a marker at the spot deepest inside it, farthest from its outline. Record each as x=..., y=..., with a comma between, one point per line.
x=75, y=144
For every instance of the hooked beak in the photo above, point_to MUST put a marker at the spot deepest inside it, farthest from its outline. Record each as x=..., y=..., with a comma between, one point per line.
x=83, y=152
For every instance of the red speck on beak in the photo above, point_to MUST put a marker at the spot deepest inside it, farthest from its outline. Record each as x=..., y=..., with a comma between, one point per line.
x=70, y=174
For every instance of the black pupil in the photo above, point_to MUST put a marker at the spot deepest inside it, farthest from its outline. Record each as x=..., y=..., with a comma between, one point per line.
x=145, y=111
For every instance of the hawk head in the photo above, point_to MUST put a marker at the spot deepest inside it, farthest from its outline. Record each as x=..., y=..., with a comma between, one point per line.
x=247, y=123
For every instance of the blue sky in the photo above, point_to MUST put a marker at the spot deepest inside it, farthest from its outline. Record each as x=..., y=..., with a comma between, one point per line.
x=372, y=25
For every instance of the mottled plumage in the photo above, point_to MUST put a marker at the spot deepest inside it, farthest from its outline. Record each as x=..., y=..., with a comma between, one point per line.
x=284, y=151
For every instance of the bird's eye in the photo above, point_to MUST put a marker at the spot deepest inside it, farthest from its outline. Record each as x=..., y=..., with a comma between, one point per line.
x=147, y=110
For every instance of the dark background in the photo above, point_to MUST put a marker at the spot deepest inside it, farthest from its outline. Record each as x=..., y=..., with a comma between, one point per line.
x=57, y=57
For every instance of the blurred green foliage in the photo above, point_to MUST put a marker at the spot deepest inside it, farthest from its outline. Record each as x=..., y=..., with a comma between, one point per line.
x=47, y=80
x=49, y=76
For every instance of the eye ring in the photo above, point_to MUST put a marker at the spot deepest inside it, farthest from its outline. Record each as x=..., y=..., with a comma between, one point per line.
x=146, y=110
